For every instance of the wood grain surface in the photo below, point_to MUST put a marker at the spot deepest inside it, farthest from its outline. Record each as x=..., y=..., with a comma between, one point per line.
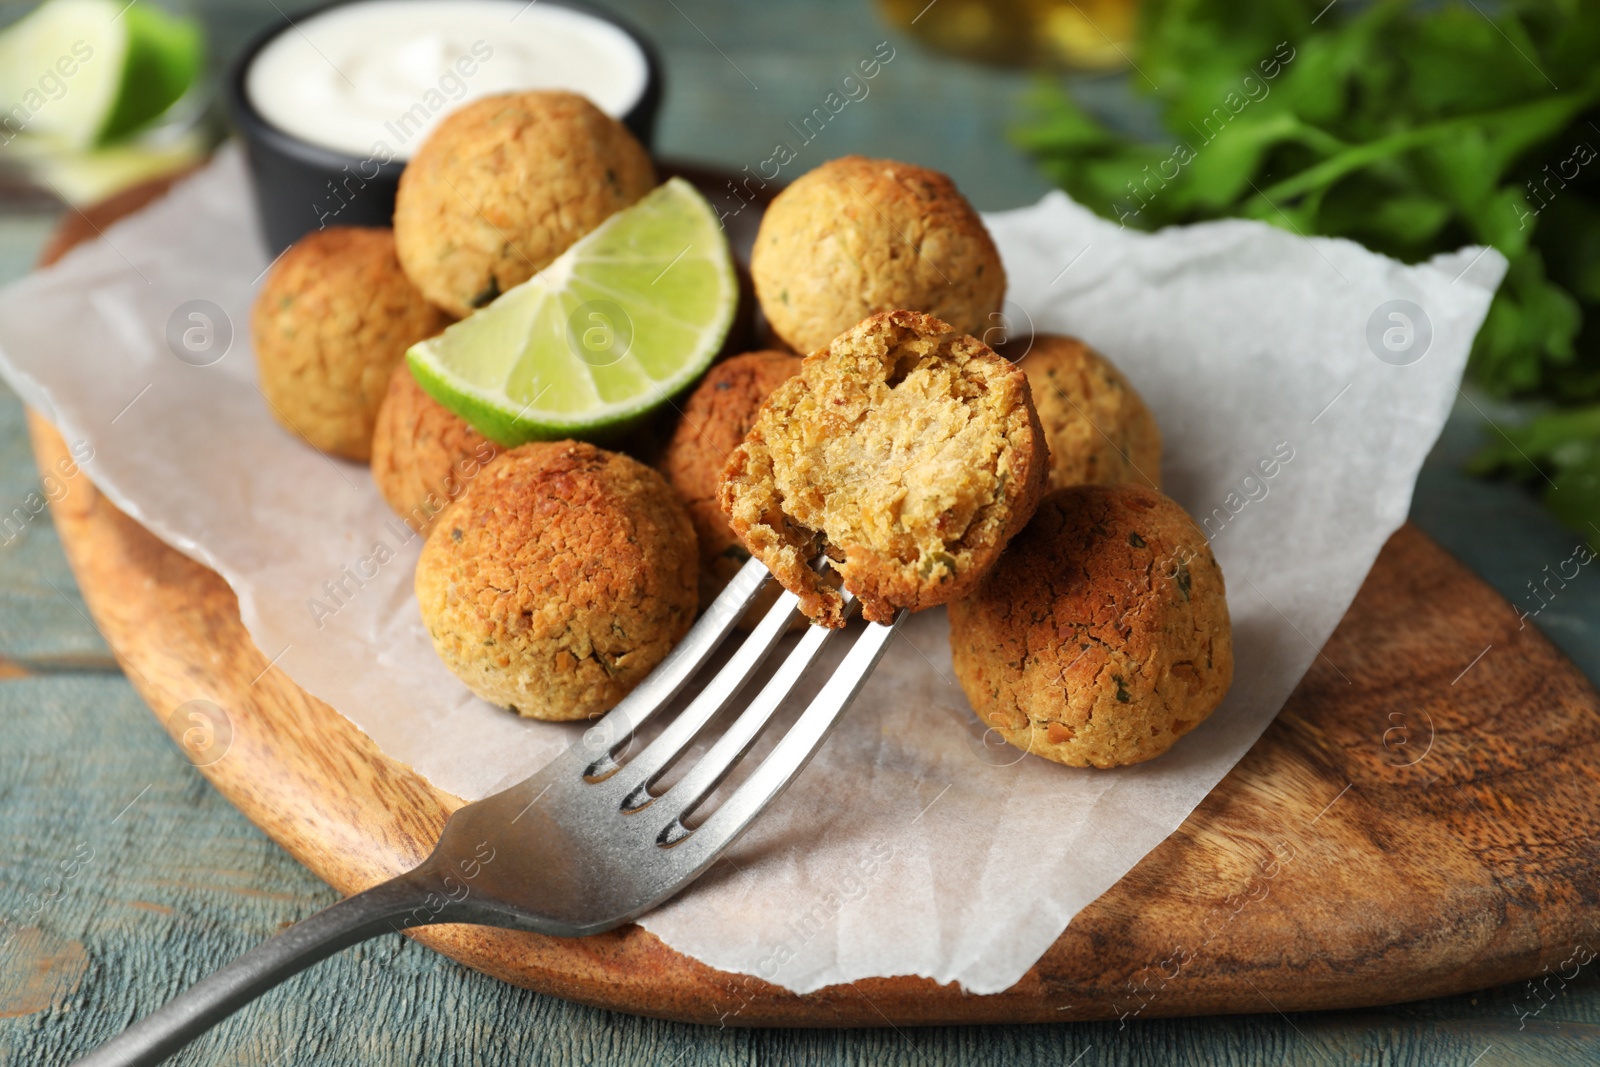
x=1421, y=819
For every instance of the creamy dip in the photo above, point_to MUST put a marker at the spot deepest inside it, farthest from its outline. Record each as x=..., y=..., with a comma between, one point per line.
x=372, y=78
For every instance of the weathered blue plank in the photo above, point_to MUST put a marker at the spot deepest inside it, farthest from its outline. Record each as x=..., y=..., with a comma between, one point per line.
x=43, y=624
x=125, y=877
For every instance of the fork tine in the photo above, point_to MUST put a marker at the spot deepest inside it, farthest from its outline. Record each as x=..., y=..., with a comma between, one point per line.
x=711, y=768
x=635, y=777
x=670, y=675
x=792, y=753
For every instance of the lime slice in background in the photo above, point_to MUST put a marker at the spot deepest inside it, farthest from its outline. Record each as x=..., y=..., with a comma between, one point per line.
x=163, y=60
x=618, y=324
x=87, y=72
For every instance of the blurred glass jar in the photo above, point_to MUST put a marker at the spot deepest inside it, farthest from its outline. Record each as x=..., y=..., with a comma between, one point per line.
x=98, y=95
x=1079, y=34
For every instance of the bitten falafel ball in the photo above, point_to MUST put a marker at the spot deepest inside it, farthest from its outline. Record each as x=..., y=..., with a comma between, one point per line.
x=423, y=454
x=558, y=579
x=715, y=420
x=1102, y=636
x=505, y=185
x=907, y=450
x=334, y=316
x=858, y=236
x=1100, y=431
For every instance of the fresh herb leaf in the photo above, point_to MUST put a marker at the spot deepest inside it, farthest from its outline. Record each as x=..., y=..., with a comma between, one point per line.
x=1412, y=127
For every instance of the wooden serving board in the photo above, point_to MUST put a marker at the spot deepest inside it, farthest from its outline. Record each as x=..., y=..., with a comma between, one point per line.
x=1422, y=818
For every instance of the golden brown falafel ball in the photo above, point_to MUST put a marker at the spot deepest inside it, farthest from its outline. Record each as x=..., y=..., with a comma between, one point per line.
x=504, y=185
x=715, y=420
x=334, y=316
x=910, y=451
x=1099, y=430
x=423, y=454
x=558, y=579
x=858, y=236
x=1102, y=636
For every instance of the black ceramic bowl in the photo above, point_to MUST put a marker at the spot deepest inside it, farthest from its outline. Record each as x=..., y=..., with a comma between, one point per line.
x=300, y=187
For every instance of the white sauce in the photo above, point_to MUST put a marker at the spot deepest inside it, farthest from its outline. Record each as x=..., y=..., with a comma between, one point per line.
x=372, y=78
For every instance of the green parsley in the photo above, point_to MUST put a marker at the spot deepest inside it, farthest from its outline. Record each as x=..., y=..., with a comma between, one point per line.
x=1411, y=127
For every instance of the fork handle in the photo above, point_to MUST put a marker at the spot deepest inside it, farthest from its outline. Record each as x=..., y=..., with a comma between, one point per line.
x=313, y=939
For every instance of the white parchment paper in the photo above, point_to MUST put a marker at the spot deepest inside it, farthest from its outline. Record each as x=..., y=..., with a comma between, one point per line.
x=910, y=846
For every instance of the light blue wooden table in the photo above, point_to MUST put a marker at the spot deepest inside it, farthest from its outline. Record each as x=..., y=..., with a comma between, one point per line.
x=124, y=877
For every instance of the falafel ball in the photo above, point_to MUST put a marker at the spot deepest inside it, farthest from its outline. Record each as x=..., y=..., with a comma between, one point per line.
x=423, y=454
x=857, y=236
x=334, y=316
x=505, y=185
x=558, y=579
x=907, y=450
x=715, y=420
x=1098, y=427
x=1102, y=636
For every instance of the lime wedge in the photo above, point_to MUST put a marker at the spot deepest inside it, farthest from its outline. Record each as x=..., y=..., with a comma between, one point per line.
x=618, y=324
x=163, y=60
x=87, y=72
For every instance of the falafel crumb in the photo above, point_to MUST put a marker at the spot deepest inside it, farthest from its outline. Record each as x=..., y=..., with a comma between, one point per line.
x=906, y=451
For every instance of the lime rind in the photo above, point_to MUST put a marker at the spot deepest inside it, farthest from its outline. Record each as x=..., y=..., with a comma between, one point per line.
x=163, y=60
x=552, y=358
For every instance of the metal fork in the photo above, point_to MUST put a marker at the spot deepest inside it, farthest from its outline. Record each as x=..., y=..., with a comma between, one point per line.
x=584, y=845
